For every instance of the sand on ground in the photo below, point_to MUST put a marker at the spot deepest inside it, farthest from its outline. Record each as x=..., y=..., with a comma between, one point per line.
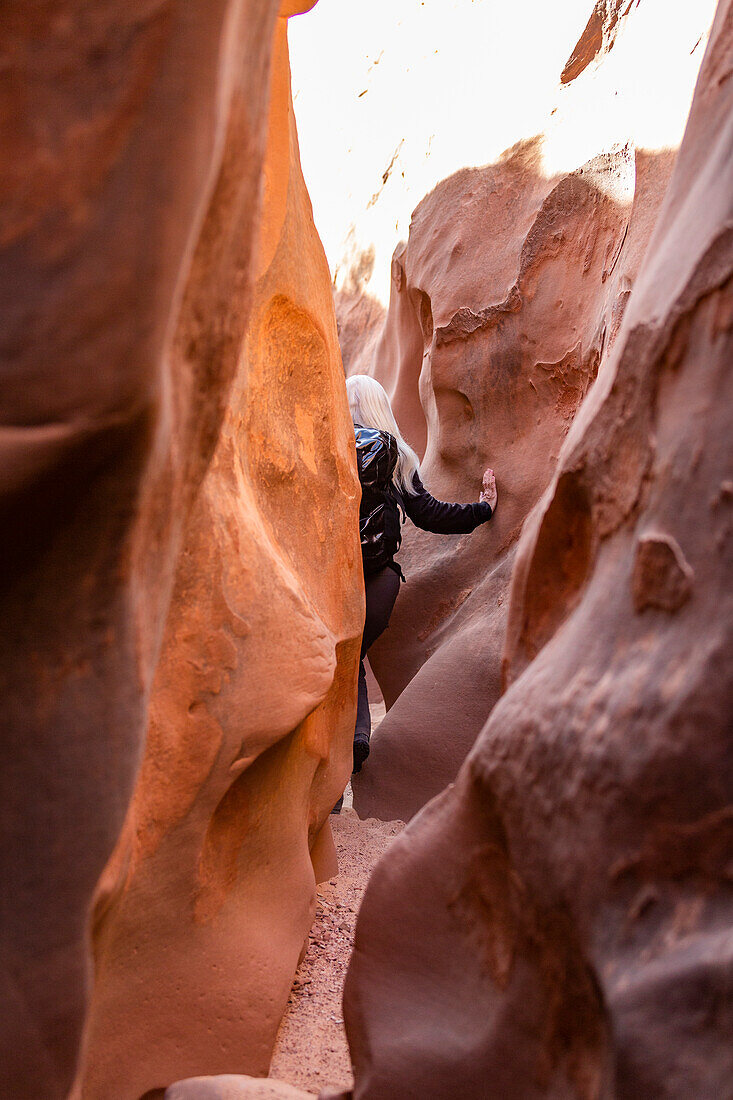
x=311, y=1050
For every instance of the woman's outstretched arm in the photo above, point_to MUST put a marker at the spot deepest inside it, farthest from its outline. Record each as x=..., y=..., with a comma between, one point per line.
x=447, y=519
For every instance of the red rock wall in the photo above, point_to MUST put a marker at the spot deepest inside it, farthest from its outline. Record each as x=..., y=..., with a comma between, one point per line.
x=507, y=297
x=132, y=134
x=559, y=922
x=598, y=37
x=202, y=914
x=155, y=431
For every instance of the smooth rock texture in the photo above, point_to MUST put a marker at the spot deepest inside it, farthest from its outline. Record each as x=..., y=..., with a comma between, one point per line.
x=202, y=913
x=228, y=1087
x=492, y=340
x=132, y=138
x=560, y=922
x=360, y=322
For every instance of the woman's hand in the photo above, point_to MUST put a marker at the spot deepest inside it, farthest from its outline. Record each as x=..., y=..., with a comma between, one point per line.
x=488, y=491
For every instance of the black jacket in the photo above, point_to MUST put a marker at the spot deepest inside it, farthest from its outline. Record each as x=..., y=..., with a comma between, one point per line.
x=438, y=516
x=379, y=512
x=382, y=502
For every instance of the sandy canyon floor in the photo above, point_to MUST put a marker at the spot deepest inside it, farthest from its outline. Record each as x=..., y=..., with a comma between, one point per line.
x=311, y=1050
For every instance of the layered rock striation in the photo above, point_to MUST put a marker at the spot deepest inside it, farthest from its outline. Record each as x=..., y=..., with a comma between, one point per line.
x=558, y=923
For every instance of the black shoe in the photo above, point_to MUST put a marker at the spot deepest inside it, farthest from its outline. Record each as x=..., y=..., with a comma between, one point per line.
x=361, y=751
x=337, y=807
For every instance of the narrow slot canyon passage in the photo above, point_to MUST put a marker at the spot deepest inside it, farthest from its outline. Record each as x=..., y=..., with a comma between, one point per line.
x=367, y=498
x=311, y=1050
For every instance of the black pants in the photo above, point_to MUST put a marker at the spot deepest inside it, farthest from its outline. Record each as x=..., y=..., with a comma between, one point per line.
x=381, y=593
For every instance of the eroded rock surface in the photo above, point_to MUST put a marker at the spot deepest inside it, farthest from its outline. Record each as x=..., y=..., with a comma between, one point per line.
x=203, y=911
x=132, y=143
x=598, y=37
x=505, y=304
x=559, y=923
x=505, y=300
x=497, y=325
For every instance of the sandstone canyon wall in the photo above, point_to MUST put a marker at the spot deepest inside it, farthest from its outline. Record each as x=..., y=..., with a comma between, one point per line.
x=164, y=431
x=558, y=923
x=119, y=340
x=204, y=909
x=505, y=303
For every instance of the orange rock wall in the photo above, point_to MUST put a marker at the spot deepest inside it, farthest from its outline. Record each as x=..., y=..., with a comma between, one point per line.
x=559, y=922
x=132, y=140
x=163, y=430
x=204, y=909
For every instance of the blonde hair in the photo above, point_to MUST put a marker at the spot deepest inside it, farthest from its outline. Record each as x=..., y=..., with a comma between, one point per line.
x=369, y=406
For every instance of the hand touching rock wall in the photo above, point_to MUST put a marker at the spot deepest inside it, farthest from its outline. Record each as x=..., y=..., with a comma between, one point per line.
x=132, y=142
x=203, y=911
x=504, y=302
x=559, y=922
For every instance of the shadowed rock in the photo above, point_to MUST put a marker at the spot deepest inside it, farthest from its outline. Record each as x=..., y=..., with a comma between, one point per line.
x=129, y=217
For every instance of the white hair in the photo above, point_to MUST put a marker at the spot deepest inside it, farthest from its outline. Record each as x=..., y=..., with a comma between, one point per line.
x=369, y=406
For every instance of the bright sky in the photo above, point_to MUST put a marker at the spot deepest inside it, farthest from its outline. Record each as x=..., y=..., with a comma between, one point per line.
x=442, y=84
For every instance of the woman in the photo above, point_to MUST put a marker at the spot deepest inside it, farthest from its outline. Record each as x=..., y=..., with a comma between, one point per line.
x=390, y=475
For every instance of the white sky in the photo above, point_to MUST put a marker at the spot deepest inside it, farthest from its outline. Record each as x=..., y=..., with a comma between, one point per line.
x=448, y=83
